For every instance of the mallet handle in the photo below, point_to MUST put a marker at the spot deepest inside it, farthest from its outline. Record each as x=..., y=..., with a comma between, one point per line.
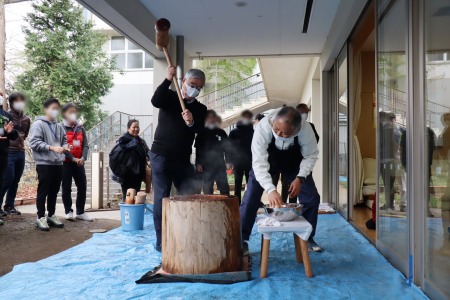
x=175, y=81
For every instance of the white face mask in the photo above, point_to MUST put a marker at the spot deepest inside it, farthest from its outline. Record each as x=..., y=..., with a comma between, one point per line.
x=304, y=116
x=19, y=105
x=210, y=126
x=72, y=117
x=246, y=121
x=191, y=92
x=282, y=139
x=53, y=113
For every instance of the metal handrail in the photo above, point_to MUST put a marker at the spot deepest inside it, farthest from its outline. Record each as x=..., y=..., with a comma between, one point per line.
x=235, y=95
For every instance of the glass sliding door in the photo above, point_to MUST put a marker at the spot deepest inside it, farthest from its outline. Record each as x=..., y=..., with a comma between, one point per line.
x=392, y=104
x=342, y=126
x=437, y=107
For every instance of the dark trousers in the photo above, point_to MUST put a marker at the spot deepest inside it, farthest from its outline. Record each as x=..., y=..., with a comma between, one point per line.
x=239, y=173
x=166, y=171
x=11, y=177
x=216, y=174
x=49, y=177
x=285, y=184
x=309, y=197
x=3, y=167
x=387, y=171
x=78, y=173
x=131, y=181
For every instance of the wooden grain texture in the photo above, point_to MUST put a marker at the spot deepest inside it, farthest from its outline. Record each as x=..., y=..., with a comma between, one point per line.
x=201, y=235
x=306, y=259
x=264, y=258
x=298, y=251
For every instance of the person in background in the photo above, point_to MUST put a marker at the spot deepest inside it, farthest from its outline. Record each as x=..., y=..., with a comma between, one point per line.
x=132, y=156
x=74, y=167
x=49, y=145
x=212, y=149
x=16, y=156
x=258, y=118
x=304, y=110
x=387, y=154
x=241, y=156
x=174, y=136
x=282, y=143
x=7, y=134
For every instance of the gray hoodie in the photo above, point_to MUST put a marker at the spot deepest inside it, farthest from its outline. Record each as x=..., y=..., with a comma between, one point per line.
x=44, y=134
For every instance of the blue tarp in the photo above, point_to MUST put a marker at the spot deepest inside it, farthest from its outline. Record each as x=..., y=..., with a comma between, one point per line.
x=107, y=265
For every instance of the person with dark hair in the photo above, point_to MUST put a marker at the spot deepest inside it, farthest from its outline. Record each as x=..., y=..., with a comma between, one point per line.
x=258, y=118
x=129, y=158
x=49, y=145
x=7, y=134
x=241, y=155
x=304, y=110
x=282, y=143
x=16, y=156
x=212, y=150
x=74, y=167
x=172, y=146
x=387, y=152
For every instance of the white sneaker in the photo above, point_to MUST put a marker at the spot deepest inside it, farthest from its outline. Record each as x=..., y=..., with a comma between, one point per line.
x=84, y=217
x=70, y=216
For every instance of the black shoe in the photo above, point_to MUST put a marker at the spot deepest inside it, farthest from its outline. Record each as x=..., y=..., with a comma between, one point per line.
x=245, y=249
x=3, y=213
x=313, y=247
x=12, y=211
x=158, y=247
x=370, y=224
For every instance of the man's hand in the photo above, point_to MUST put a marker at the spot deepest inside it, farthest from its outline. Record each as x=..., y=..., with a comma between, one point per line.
x=171, y=72
x=187, y=117
x=80, y=162
x=199, y=168
x=295, y=188
x=57, y=149
x=275, y=199
x=9, y=127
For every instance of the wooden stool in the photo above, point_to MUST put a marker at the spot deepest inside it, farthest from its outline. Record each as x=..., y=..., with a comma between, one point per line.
x=301, y=230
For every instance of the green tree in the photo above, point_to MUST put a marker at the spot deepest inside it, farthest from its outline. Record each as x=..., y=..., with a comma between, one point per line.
x=223, y=72
x=66, y=60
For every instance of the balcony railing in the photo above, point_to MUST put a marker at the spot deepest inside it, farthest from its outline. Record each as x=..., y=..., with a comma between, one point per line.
x=235, y=94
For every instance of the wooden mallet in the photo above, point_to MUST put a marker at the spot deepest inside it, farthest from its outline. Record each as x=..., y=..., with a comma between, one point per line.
x=162, y=27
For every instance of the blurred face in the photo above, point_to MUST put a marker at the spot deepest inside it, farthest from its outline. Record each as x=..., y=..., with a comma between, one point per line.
x=19, y=104
x=134, y=129
x=191, y=87
x=71, y=115
x=210, y=120
x=246, y=119
x=303, y=110
x=282, y=129
x=52, y=111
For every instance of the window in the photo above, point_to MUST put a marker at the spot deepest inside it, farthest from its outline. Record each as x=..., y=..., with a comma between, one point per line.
x=128, y=55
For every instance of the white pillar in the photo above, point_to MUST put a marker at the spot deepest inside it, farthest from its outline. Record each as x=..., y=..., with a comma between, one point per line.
x=97, y=180
x=316, y=119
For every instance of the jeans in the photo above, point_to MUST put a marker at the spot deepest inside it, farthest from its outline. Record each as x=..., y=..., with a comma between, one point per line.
x=216, y=174
x=166, y=171
x=308, y=195
x=78, y=173
x=11, y=177
x=49, y=177
x=238, y=176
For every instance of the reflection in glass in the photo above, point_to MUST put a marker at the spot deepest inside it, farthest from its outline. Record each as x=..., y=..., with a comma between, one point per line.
x=391, y=127
x=343, y=135
x=437, y=96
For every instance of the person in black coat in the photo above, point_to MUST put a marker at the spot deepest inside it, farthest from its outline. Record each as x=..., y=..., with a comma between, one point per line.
x=7, y=133
x=129, y=158
x=241, y=142
x=174, y=136
x=212, y=149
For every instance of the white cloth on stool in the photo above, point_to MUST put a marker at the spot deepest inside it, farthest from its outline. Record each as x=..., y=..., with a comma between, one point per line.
x=300, y=227
x=268, y=222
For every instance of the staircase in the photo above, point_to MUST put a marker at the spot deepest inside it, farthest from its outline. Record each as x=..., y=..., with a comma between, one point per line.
x=231, y=100
x=103, y=137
